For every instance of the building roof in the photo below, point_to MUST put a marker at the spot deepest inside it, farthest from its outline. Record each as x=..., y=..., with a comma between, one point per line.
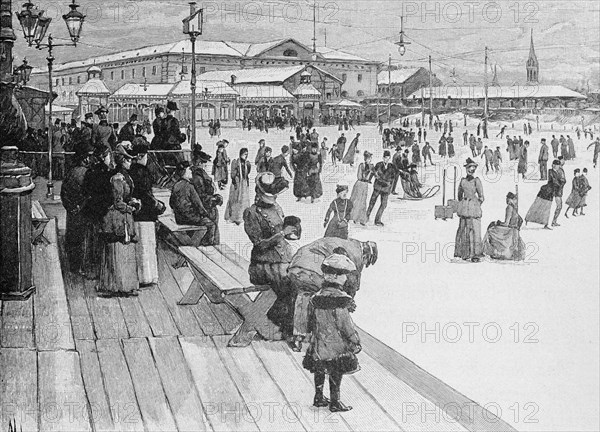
x=306, y=90
x=254, y=75
x=133, y=90
x=215, y=88
x=333, y=54
x=248, y=91
x=203, y=47
x=345, y=103
x=399, y=76
x=94, y=86
x=499, y=92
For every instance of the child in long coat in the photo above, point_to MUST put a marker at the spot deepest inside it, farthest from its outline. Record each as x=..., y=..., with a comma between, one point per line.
x=334, y=341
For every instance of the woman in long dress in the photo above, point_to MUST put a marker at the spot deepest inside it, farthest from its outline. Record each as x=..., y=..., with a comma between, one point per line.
x=470, y=197
x=360, y=191
x=341, y=207
x=522, y=166
x=576, y=196
x=502, y=240
x=315, y=166
x=351, y=152
x=299, y=164
x=118, y=264
x=539, y=212
x=239, y=193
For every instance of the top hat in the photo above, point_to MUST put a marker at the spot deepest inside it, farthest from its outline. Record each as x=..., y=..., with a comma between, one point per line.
x=89, y=115
x=470, y=162
x=267, y=186
x=172, y=105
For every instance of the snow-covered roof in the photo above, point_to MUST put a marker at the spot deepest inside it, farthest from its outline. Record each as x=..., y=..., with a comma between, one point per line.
x=345, y=103
x=306, y=90
x=499, y=92
x=399, y=76
x=94, y=86
x=255, y=75
x=332, y=54
x=203, y=47
x=249, y=91
x=215, y=88
x=137, y=90
x=58, y=109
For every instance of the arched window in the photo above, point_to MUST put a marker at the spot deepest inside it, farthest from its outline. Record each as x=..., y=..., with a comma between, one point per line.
x=78, y=79
x=290, y=53
x=153, y=70
x=70, y=80
x=112, y=75
x=122, y=74
x=132, y=73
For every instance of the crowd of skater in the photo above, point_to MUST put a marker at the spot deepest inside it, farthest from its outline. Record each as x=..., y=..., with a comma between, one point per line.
x=112, y=212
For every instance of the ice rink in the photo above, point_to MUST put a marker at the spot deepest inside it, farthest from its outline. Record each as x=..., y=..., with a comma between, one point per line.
x=520, y=339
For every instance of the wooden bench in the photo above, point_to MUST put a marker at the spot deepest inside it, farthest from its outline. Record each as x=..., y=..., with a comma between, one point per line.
x=39, y=220
x=222, y=275
x=171, y=233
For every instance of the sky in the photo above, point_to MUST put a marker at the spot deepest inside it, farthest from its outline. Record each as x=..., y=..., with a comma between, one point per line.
x=454, y=33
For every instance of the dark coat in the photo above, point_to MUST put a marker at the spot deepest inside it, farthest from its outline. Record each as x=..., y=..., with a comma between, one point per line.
x=72, y=192
x=127, y=132
x=173, y=136
x=151, y=207
x=186, y=204
x=334, y=340
x=98, y=187
x=263, y=224
x=384, y=177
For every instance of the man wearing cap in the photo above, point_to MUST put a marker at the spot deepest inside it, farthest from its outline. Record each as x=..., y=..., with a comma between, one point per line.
x=104, y=134
x=596, y=145
x=384, y=172
x=205, y=188
x=468, y=244
x=84, y=137
x=189, y=209
x=543, y=160
x=334, y=342
x=558, y=185
x=271, y=252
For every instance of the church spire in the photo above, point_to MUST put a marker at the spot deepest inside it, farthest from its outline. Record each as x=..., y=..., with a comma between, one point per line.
x=532, y=64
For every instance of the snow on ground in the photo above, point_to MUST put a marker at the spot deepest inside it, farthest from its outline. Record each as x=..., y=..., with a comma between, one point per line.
x=520, y=339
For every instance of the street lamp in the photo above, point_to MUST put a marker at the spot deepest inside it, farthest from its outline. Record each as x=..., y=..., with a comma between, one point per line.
x=35, y=25
x=192, y=26
x=22, y=73
x=402, y=43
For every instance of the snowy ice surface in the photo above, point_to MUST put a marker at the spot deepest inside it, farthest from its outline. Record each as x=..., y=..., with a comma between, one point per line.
x=520, y=339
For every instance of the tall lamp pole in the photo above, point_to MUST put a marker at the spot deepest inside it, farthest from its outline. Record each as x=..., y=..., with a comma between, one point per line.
x=192, y=26
x=401, y=49
x=35, y=25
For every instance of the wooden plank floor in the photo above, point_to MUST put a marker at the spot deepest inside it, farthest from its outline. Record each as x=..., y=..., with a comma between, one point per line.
x=148, y=364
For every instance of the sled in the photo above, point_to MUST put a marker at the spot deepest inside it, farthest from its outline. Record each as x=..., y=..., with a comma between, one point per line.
x=429, y=193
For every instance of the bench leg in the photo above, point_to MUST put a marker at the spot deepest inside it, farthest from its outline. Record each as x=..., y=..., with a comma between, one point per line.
x=254, y=314
x=193, y=294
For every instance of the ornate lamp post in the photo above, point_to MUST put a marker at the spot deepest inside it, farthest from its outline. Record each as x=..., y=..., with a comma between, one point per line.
x=35, y=25
x=192, y=26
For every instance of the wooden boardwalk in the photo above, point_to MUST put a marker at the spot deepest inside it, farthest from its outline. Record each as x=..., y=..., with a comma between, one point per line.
x=71, y=361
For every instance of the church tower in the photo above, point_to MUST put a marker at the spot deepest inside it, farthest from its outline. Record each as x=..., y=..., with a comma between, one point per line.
x=533, y=68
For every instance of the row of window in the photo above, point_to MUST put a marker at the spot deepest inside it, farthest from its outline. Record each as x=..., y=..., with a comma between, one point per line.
x=359, y=77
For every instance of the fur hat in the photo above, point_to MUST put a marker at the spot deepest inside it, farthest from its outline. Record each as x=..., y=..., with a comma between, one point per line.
x=470, y=162
x=266, y=185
